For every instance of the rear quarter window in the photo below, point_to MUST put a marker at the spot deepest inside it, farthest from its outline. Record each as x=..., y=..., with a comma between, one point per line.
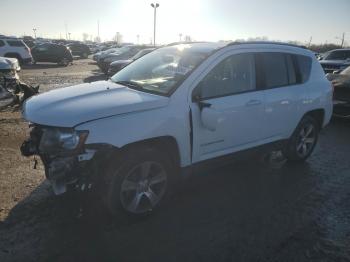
x=15, y=43
x=303, y=65
x=2, y=43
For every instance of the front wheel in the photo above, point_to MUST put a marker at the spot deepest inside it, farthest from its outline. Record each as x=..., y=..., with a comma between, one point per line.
x=140, y=183
x=303, y=141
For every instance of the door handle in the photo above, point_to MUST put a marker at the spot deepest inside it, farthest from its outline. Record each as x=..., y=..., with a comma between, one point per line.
x=253, y=102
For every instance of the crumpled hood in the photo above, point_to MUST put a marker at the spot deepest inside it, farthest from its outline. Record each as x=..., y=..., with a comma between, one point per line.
x=70, y=106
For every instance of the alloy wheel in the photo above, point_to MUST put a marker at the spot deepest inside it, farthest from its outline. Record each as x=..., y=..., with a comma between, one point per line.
x=143, y=187
x=306, y=140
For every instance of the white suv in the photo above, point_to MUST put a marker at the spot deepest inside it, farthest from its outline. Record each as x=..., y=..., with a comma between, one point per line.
x=15, y=48
x=175, y=109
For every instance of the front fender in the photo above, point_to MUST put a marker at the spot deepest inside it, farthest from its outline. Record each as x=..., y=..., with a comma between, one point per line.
x=125, y=129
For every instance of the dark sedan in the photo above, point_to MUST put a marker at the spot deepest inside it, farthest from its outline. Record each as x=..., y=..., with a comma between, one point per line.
x=119, y=64
x=123, y=53
x=52, y=53
x=341, y=96
x=79, y=49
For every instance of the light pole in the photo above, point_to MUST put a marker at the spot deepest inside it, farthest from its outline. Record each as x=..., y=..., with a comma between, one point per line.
x=34, y=30
x=69, y=35
x=155, y=6
x=180, y=35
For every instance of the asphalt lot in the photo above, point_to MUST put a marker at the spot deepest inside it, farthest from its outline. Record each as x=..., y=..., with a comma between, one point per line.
x=243, y=212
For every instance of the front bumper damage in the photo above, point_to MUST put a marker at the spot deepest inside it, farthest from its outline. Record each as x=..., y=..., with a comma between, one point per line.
x=74, y=171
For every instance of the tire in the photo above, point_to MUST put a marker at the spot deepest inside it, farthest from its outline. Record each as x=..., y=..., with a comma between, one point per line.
x=303, y=140
x=64, y=62
x=140, y=183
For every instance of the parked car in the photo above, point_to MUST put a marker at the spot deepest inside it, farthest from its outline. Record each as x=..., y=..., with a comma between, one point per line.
x=123, y=53
x=116, y=66
x=173, y=111
x=15, y=48
x=341, y=85
x=96, y=57
x=53, y=53
x=334, y=60
x=79, y=49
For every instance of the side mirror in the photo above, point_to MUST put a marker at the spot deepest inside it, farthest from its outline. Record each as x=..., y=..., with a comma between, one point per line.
x=210, y=118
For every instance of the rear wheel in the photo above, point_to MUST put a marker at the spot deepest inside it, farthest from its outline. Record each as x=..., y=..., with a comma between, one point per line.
x=141, y=182
x=303, y=141
x=64, y=62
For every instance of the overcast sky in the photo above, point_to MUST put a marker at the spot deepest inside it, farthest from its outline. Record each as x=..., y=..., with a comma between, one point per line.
x=210, y=20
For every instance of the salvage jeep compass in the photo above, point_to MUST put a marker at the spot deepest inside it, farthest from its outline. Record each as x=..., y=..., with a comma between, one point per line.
x=172, y=110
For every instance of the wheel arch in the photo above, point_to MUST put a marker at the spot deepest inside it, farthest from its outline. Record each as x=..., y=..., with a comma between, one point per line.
x=318, y=115
x=166, y=144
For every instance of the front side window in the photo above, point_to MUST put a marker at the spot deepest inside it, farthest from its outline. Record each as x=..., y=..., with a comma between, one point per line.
x=161, y=70
x=338, y=55
x=234, y=75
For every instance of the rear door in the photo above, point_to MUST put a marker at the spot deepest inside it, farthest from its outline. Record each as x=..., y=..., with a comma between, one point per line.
x=228, y=94
x=40, y=53
x=281, y=92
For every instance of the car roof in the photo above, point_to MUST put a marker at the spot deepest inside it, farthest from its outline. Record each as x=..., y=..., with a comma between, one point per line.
x=200, y=47
x=207, y=47
x=340, y=49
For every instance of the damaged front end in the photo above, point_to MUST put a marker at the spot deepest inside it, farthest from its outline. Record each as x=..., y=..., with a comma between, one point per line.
x=68, y=162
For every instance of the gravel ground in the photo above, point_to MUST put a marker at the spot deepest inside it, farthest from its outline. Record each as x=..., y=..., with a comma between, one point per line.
x=241, y=212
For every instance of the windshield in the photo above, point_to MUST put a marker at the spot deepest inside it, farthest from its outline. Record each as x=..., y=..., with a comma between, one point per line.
x=338, y=55
x=160, y=71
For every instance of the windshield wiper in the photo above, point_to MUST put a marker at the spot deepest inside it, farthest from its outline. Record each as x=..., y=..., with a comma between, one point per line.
x=130, y=84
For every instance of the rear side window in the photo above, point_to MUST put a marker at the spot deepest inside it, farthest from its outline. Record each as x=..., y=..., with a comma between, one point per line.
x=275, y=69
x=303, y=66
x=15, y=43
x=2, y=43
x=292, y=75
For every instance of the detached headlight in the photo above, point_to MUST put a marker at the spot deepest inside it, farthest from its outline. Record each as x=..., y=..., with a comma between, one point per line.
x=57, y=140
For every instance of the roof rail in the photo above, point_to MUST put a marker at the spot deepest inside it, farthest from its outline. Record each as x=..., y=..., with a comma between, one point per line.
x=266, y=42
x=185, y=42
